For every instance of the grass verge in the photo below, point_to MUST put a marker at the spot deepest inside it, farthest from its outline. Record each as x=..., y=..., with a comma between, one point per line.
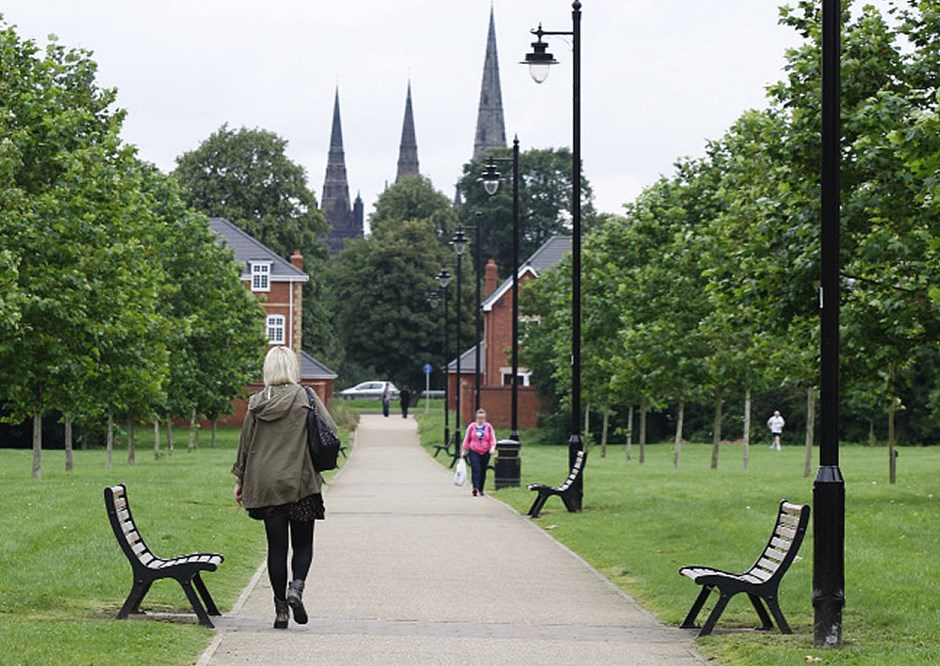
x=641, y=522
x=63, y=576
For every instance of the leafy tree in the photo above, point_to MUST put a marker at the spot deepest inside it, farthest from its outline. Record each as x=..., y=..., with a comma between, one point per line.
x=545, y=188
x=380, y=285
x=414, y=198
x=89, y=287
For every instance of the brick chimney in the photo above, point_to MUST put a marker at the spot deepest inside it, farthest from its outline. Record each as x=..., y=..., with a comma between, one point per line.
x=297, y=260
x=492, y=278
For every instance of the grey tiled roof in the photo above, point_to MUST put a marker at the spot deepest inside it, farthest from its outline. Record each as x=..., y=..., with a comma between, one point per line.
x=550, y=253
x=248, y=249
x=468, y=361
x=311, y=368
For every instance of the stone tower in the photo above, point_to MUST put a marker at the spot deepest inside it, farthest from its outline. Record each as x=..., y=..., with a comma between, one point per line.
x=408, y=149
x=491, y=129
x=345, y=221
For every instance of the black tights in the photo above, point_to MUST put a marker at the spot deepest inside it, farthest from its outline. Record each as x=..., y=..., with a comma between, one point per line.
x=301, y=541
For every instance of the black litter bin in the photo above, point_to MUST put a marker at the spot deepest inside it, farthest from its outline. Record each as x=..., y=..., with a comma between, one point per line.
x=508, y=465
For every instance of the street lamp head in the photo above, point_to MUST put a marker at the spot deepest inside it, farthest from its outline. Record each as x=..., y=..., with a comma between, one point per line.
x=490, y=177
x=459, y=241
x=444, y=278
x=434, y=298
x=540, y=60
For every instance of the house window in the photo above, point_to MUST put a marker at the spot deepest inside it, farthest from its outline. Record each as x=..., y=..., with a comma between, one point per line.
x=275, y=329
x=260, y=276
x=523, y=377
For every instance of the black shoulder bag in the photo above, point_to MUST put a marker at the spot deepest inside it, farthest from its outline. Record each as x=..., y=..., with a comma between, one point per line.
x=322, y=442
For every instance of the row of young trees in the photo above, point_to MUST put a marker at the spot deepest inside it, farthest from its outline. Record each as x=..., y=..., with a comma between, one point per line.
x=706, y=289
x=116, y=301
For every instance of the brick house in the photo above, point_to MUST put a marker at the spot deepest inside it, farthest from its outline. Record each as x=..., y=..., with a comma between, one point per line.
x=496, y=347
x=278, y=284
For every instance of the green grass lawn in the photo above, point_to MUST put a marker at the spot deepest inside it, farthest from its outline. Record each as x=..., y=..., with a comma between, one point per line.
x=63, y=576
x=640, y=523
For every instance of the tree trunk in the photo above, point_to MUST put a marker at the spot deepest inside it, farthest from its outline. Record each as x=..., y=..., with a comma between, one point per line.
x=747, y=427
x=69, y=461
x=644, y=407
x=156, y=435
x=716, y=431
x=193, y=431
x=130, y=440
x=604, y=433
x=628, y=451
x=871, y=432
x=810, y=430
x=586, y=433
x=680, y=423
x=110, y=440
x=37, y=446
x=892, y=454
x=169, y=434
x=215, y=427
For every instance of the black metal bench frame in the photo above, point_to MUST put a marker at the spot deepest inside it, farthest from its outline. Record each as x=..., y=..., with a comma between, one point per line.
x=148, y=568
x=761, y=581
x=566, y=490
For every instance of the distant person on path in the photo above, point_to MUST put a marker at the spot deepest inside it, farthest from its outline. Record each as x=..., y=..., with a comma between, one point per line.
x=386, y=398
x=776, y=423
x=276, y=481
x=479, y=443
x=404, y=400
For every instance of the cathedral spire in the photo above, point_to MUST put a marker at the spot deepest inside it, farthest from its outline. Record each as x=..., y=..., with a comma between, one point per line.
x=343, y=220
x=408, y=149
x=491, y=130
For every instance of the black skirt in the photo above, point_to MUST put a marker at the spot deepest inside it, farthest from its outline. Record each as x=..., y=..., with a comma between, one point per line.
x=303, y=510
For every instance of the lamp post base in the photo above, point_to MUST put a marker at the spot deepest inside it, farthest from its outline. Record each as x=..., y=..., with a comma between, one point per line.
x=828, y=556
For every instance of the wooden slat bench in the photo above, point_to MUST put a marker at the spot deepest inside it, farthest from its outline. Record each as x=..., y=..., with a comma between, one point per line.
x=759, y=582
x=148, y=568
x=566, y=490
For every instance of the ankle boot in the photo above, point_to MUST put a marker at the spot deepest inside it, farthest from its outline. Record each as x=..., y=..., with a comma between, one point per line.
x=295, y=592
x=280, y=613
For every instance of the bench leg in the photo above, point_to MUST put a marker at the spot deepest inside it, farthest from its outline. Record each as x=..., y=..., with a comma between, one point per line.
x=196, y=604
x=537, y=505
x=689, y=621
x=778, y=615
x=137, y=594
x=571, y=501
x=211, y=608
x=714, y=615
x=761, y=612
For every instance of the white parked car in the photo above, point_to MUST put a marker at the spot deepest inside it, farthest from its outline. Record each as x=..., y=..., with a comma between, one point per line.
x=370, y=389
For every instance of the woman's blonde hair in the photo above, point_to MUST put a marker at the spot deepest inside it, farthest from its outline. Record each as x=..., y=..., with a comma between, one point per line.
x=281, y=367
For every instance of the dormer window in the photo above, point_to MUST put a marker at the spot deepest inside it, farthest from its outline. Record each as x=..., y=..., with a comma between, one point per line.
x=260, y=275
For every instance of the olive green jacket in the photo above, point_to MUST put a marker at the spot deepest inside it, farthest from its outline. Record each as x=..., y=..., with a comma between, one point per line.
x=273, y=464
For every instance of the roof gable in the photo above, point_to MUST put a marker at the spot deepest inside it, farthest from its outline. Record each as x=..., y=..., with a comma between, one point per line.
x=550, y=253
x=249, y=249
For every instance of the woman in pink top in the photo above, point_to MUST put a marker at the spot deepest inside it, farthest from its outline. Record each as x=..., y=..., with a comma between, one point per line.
x=480, y=443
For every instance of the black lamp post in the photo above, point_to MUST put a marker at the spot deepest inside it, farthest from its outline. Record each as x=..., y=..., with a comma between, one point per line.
x=829, y=486
x=539, y=61
x=478, y=322
x=459, y=242
x=443, y=279
x=490, y=179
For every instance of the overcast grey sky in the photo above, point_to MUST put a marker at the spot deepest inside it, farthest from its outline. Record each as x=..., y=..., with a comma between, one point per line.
x=659, y=77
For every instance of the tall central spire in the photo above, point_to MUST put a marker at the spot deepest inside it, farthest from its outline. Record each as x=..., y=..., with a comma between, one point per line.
x=491, y=130
x=408, y=149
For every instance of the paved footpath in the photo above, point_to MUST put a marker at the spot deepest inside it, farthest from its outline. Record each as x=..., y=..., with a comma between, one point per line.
x=410, y=569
